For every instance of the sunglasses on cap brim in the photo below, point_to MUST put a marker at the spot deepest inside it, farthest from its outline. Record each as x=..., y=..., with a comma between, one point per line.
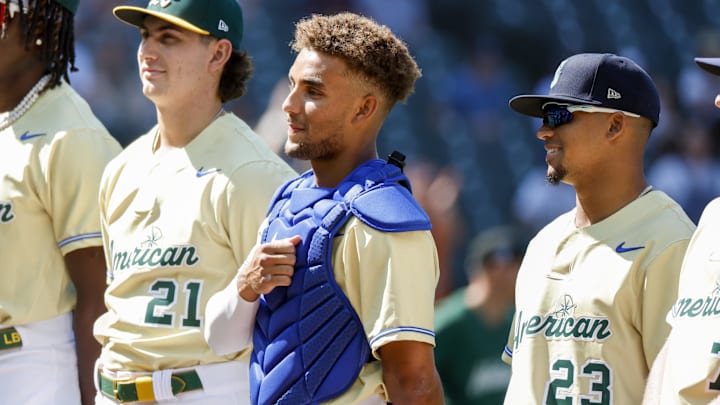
x=557, y=114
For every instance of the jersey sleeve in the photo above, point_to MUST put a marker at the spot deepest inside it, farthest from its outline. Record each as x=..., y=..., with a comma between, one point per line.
x=75, y=163
x=102, y=206
x=390, y=279
x=507, y=353
x=229, y=320
x=248, y=195
x=659, y=295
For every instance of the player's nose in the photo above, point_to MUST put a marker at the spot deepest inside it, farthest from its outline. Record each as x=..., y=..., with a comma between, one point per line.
x=291, y=104
x=146, y=50
x=545, y=132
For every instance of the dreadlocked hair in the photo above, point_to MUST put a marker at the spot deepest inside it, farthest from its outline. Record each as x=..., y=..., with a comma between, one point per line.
x=53, y=24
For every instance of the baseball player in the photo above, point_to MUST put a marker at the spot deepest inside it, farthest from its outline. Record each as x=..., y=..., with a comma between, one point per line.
x=347, y=266
x=595, y=284
x=687, y=370
x=180, y=209
x=53, y=150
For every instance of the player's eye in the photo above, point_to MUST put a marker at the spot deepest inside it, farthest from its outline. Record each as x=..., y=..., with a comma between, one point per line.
x=556, y=116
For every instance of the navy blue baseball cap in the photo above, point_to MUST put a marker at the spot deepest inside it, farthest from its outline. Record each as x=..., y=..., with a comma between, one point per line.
x=712, y=65
x=600, y=79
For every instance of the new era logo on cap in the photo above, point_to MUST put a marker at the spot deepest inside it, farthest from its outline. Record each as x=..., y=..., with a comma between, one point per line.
x=612, y=94
x=222, y=26
x=161, y=3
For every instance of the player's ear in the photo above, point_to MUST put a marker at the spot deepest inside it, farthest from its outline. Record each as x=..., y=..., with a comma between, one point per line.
x=367, y=107
x=616, y=124
x=222, y=49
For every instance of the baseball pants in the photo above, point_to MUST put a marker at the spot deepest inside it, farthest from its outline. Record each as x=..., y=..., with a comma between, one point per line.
x=44, y=369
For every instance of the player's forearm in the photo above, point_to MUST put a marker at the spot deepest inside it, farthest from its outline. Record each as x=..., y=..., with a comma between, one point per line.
x=88, y=349
x=229, y=321
x=86, y=268
x=415, y=390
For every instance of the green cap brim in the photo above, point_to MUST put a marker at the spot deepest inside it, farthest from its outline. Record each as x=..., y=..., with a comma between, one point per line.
x=136, y=15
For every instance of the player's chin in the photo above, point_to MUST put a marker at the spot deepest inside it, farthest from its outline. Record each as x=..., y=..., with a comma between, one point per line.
x=149, y=90
x=297, y=150
x=555, y=176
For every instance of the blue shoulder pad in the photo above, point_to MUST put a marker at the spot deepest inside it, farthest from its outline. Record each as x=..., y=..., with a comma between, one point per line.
x=390, y=208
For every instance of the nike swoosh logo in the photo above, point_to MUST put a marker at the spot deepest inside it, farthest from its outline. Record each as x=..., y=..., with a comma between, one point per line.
x=622, y=249
x=27, y=135
x=201, y=172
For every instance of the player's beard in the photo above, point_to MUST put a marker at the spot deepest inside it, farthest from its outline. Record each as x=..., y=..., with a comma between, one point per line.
x=555, y=175
x=321, y=150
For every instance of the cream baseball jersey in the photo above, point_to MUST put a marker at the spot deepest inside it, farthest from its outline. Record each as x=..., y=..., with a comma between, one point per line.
x=51, y=161
x=390, y=280
x=591, y=305
x=692, y=368
x=176, y=227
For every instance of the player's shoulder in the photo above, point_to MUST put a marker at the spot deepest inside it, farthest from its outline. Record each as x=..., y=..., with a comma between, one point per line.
x=555, y=229
x=63, y=108
x=388, y=206
x=130, y=153
x=138, y=145
x=60, y=117
x=361, y=234
x=662, y=216
x=656, y=222
x=243, y=151
x=55, y=125
x=711, y=212
x=240, y=141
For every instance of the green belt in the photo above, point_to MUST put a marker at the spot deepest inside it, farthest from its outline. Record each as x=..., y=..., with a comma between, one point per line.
x=141, y=388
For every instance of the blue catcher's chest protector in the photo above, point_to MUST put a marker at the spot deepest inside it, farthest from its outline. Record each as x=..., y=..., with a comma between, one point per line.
x=309, y=344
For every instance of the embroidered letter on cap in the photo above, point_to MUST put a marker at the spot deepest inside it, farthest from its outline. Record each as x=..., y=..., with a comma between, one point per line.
x=222, y=26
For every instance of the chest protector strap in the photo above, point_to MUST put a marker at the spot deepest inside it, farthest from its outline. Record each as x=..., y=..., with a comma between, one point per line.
x=309, y=344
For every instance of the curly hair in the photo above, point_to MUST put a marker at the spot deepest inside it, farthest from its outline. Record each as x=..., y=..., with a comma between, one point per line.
x=53, y=24
x=238, y=70
x=368, y=48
